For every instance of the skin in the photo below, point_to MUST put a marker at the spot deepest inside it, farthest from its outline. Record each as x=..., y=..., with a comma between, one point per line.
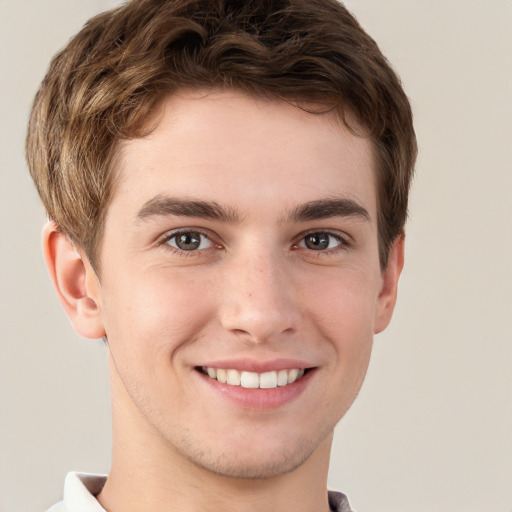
x=253, y=291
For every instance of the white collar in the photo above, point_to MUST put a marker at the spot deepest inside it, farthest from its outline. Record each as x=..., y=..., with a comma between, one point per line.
x=80, y=490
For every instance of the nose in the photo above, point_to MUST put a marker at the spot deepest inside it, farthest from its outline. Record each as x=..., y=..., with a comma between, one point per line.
x=259, y=299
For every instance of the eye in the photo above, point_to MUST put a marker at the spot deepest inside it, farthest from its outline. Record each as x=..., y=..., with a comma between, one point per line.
x=189, y=241
x=320, y=241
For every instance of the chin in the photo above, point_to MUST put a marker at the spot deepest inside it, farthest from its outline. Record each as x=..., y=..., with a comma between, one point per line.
x=262, y=468
x=256, y=461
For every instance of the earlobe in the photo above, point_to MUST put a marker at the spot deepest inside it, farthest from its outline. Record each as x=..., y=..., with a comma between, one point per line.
x=77, y=289
x=388, y=293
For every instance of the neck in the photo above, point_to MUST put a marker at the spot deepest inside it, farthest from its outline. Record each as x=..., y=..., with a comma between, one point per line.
x=142, y=485
x=148, y=474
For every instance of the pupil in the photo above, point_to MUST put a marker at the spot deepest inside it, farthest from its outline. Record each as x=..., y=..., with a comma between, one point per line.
x=317, y=241
x=188, y=241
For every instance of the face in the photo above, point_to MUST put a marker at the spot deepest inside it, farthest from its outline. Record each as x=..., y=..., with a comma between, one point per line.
x=240, y=286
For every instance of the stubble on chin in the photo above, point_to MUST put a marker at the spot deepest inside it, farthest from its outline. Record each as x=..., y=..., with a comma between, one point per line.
x=251, y=464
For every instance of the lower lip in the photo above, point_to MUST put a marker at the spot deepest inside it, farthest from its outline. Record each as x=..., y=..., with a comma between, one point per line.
x=259, y=399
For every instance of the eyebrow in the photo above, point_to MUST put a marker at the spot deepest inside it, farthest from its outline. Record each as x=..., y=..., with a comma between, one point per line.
x=327, y=208
x=161, y=206
x=313, y=210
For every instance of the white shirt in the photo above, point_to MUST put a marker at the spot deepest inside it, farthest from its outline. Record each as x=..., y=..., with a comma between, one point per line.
x=80, y=490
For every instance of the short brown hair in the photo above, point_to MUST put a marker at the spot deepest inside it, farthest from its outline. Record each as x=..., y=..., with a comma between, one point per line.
x=103, y=86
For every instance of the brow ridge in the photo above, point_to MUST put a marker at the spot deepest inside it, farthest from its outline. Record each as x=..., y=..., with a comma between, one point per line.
x=161, y=205
x=164, y=205
x=327, y=208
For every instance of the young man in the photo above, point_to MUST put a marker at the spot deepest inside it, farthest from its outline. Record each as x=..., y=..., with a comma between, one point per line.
x=227, y=188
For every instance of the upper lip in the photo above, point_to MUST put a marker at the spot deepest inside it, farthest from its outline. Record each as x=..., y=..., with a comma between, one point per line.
x=258, y=366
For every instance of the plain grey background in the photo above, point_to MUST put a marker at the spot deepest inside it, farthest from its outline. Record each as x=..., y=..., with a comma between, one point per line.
x=432, y=428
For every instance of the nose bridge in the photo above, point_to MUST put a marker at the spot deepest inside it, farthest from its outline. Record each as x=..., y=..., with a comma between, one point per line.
x=259, y=298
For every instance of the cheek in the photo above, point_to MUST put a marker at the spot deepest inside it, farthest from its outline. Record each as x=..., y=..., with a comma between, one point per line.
x=153, y=315
x=344, y=313
x=346, y=301
x=343, y=324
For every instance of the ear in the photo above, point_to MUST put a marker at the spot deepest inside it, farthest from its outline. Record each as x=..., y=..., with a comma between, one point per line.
x=389, y=287
x=75, y=282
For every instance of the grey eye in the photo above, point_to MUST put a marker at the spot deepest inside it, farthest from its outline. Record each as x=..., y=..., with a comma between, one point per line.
x=320, y=241
x=190, y=241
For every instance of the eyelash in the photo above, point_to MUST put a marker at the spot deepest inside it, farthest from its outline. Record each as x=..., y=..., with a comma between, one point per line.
x=343, y=241
x=182, y=252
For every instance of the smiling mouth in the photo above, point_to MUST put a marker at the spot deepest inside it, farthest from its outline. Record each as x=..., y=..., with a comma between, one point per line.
x=253, y=380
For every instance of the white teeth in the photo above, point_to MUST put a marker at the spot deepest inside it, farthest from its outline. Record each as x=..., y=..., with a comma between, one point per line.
x=233, y=378
x=268, y=380
x=292, y=376
x=282, y=377
x=250, y=380
x=222, y=375
x=253, y=380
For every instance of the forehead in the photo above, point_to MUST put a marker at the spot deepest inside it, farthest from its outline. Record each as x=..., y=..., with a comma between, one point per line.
x=238, y=150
